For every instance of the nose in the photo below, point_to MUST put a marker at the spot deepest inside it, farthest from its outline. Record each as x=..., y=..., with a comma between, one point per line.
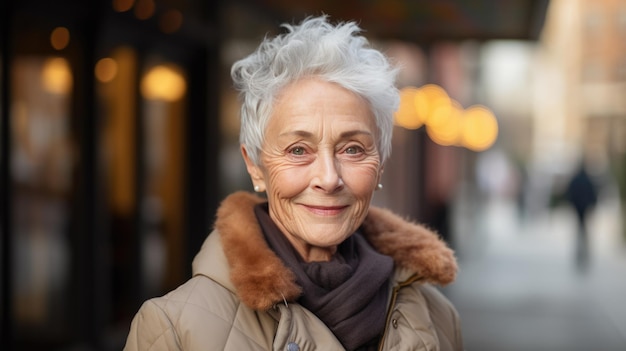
x=327, y=173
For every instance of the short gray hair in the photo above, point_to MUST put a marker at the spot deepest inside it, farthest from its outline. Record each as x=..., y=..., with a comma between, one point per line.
x=334, y=53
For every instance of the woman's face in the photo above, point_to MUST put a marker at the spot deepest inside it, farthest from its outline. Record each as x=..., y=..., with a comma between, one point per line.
x=319, y=165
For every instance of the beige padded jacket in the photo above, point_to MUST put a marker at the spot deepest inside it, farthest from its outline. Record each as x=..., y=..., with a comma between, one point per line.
x=242, y=297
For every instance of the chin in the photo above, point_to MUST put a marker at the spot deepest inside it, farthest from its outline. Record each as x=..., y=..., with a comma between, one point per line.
x=329, y=242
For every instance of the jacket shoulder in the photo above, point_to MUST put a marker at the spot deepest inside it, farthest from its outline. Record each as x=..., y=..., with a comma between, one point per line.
x=199, y=314
x=444, y=317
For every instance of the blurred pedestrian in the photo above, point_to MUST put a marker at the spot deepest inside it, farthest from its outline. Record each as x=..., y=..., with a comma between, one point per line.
x=310, y=265
x=582, y=194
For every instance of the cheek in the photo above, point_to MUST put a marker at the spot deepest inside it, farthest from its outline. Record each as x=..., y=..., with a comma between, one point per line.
x=362, y=178
x=285, y=181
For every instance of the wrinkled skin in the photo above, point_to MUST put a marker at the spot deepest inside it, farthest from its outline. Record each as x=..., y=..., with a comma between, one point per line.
x=319, y=165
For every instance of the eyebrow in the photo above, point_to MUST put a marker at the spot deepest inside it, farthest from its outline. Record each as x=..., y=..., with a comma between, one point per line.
x=306, y=134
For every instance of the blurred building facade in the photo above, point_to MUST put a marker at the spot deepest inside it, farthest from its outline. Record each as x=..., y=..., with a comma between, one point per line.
x=108, y=150
x=579, y=84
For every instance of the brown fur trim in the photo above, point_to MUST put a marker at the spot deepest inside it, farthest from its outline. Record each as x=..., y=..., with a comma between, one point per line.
x=411, y=246
x=262, y=280
x=260, y=277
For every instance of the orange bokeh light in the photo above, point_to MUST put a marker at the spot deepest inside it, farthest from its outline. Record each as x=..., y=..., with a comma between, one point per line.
x=407, y=116
x=60, y=38
x=480, y=128
x=446, y=122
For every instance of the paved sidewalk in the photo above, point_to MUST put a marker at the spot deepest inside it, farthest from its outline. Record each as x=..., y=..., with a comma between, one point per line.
x=519, y=289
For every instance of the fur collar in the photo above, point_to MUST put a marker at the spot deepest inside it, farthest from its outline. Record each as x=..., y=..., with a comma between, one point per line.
x=261, y=279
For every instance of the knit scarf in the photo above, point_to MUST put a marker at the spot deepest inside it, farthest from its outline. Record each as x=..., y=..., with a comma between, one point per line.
x=349, y=293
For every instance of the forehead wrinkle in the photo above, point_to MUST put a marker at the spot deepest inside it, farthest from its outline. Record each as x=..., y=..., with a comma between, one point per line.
x=308, y=135
x=302, y=129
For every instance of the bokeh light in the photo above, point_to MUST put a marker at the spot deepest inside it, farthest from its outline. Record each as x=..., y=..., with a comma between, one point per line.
x=163, y=82
x=106, y=70
x=407, y=115
x=56, y=76
x=444, y=118
x=60, y=38
x=433, y=97
x=122, y=5
x=445, y=123
x=480, y=128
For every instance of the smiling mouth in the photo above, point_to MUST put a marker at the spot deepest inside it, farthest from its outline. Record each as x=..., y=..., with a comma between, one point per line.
x=325, y=210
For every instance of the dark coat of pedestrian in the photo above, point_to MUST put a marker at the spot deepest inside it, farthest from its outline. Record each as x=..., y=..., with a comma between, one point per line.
x=582, y=194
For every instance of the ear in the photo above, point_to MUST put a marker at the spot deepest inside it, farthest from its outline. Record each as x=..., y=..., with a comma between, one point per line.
x=255, y=172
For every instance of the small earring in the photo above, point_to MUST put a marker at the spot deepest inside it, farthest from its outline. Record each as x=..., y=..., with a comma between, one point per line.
x=256, y=188
x=379, y=186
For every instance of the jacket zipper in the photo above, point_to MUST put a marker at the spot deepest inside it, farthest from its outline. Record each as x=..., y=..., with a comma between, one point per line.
x=392, y=303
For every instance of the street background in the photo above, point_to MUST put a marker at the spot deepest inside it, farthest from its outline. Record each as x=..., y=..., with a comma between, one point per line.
x=519, y=287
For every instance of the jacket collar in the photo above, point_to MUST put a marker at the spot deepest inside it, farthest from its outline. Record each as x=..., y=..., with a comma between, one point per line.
x=260, y=278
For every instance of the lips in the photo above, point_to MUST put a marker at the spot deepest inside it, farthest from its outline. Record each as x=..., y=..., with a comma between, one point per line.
x=325, y=210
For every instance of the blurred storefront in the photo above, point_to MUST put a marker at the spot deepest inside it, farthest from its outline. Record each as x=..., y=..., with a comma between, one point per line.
x=109, y=133
x=119, y=139
x=597, y=108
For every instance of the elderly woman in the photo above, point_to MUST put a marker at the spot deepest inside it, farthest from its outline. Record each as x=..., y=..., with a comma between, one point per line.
x=311, y=265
